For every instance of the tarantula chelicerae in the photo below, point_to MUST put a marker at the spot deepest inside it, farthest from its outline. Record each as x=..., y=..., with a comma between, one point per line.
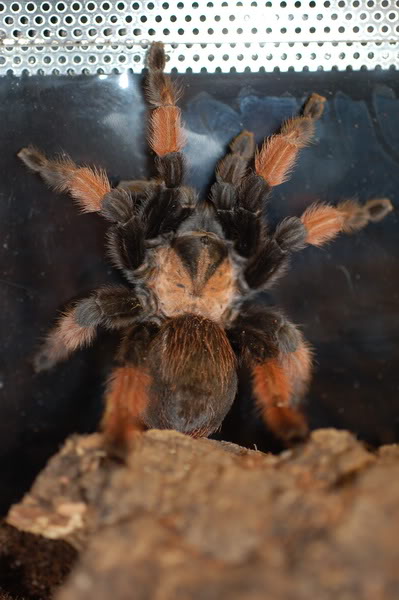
x=194, y=267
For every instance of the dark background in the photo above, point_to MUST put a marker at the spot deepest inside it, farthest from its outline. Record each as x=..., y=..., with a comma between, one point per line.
x=345, y=297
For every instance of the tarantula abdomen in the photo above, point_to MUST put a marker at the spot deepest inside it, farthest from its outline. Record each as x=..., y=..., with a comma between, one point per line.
x=193, y=372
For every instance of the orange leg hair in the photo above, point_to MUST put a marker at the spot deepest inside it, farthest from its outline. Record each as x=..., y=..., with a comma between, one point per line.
x=62, y=340
x=278, y=384
x=125, y=400
x=278, y=154
x=324, y=222
x=86, y=185
x=166, y=134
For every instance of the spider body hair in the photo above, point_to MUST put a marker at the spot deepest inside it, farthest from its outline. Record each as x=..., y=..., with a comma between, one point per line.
x=195, y=352
x=189, y=316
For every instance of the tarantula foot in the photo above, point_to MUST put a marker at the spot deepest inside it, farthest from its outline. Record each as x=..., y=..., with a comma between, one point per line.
x=43, y=361
x=32, y=158
x=378, y=208
x=290, y=426
x=358, y=216
x=296, y=436
x=314, y=106
x=120, y=447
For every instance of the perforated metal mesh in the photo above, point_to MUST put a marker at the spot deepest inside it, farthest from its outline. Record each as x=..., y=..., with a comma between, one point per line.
x=103, y=37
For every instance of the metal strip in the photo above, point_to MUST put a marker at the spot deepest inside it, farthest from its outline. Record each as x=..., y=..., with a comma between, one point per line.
x=110, y=36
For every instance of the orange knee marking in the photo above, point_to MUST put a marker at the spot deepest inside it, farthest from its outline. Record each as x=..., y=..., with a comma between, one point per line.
x=88, y=186
x=275, y=160
x=271, y=384
x=70, y=333
x=323, y=223
x=166, y=133
x=126, y=399
x=274, y=383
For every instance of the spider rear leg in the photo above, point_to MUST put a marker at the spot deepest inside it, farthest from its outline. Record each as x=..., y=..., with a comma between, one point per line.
x=127, y=394
x=112, y=307
x=126, y=398
x=280, y=363
x=279, y=385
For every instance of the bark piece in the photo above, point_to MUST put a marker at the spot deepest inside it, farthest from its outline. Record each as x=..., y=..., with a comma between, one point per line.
x=195, y=519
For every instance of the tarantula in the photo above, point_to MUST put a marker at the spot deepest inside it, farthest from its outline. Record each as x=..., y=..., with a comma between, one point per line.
x=189, y=316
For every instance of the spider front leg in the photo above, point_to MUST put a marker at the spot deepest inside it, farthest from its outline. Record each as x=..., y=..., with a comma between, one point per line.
x=319, y=224
x=278, y=154
x=111, y=307
x=86, y=185
x=238, y=199
x=280, y=363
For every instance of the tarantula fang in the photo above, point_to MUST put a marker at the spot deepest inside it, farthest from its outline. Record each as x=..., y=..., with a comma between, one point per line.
x=188, y=316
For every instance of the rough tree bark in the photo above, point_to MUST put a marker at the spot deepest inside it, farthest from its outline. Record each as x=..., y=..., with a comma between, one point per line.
x=197, y=519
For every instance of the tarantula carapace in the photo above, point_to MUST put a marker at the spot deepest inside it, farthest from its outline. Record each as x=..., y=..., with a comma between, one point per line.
x=190, y=316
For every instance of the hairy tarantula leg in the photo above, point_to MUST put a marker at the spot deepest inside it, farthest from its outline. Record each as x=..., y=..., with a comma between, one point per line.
x=232, y=168
x=162, y=93
x=66, y=337
x=323, y=222
x=319, y=224
x=239, y=211
x=357, y=216
x=125, y=400
x=87, y=186
x=229, y=174
x=278, y=154
x=166, y=135
x=280, y=361
x=272, y=165
x=279, y=385
x=260, y=333
x=112, y=307
x=127, y=395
